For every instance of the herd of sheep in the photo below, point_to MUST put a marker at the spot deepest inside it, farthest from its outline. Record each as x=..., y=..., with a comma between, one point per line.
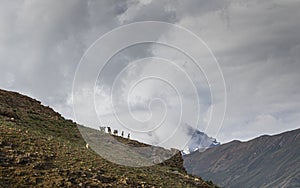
x=115, y=132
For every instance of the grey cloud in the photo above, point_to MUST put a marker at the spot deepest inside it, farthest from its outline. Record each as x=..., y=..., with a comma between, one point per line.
x=256, y=43
x=44, y=41
x=150, y=11
x=257, y=56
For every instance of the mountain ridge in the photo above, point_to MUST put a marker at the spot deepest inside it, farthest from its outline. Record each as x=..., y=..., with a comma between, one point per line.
x=266, y=161
x=40, y=148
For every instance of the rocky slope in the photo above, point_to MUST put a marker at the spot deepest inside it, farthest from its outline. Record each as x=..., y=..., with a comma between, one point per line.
x=39, y=148
x=267, y=161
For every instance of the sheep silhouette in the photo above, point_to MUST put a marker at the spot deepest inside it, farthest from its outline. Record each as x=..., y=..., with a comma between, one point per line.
x=109, y=130
x=102, y=129
x=115, y=132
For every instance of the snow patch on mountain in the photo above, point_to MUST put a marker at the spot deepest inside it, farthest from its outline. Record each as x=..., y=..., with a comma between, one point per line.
x=199, y=142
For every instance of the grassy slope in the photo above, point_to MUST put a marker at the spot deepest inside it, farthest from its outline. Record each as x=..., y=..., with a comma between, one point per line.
x=40, y=148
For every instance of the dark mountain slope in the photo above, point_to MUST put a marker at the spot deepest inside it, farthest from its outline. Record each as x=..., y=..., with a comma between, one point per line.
x=267, y=161
x=39, y=148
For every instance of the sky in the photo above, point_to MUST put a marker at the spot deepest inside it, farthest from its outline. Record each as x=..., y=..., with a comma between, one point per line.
x=255, y=43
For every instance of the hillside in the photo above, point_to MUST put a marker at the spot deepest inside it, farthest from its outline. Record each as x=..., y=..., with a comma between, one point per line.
x=39, y=148
x=267, y=161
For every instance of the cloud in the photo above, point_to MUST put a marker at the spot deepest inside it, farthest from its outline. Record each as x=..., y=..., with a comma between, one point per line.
x=41, y=44
x=256, y=43
x=257, y=127
x=255, y=49
x=150, y=96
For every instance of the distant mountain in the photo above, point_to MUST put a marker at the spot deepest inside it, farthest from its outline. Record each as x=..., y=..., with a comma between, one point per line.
x=39, y=148
x=199, y=141
x=267, y=161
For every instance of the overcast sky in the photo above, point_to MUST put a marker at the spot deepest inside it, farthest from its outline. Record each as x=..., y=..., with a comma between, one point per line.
x=256, y=43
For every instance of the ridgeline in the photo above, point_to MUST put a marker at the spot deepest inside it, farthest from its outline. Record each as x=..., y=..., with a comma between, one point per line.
x=39, y=148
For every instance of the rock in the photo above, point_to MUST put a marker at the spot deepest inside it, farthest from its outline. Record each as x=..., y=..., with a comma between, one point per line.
x=68, y=184
x=123, y=181
x=175, y=172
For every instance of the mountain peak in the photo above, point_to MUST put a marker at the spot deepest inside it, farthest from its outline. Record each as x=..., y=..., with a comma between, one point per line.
x=199, y=142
